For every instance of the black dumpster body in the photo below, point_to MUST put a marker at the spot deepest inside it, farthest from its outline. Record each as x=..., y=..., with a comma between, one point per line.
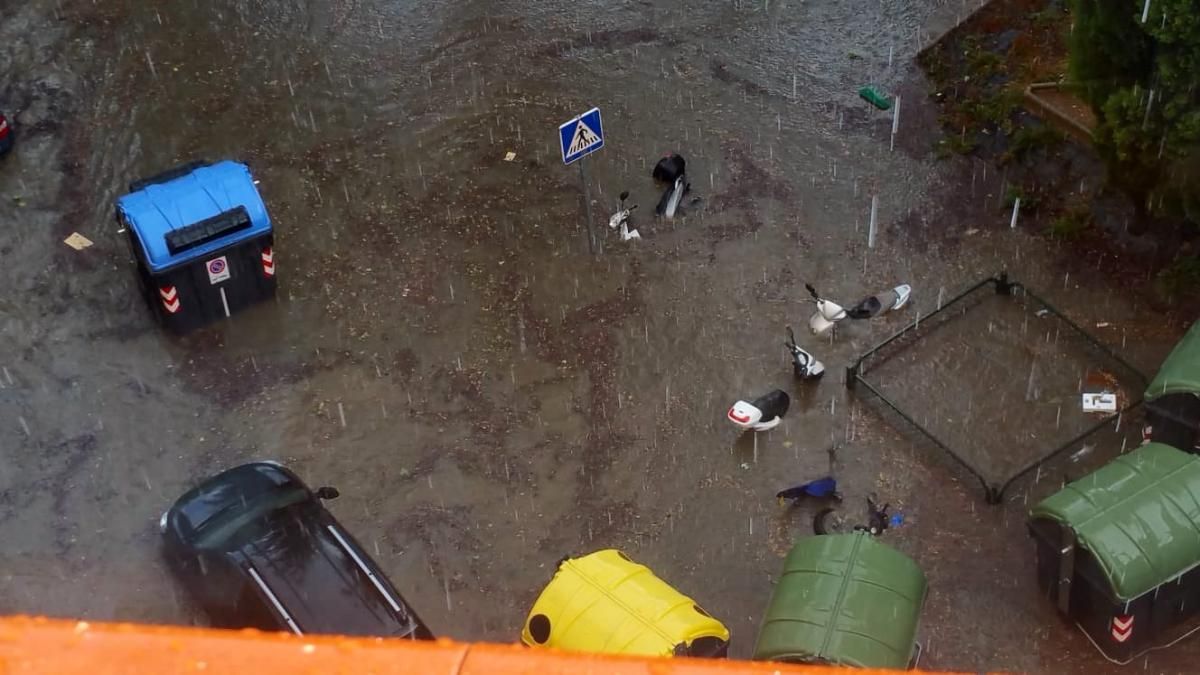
x=1118, y=551
x=202, y=243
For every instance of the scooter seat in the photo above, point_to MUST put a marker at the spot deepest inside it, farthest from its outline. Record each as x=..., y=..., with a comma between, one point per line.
x=865, y=309
x=669, y=168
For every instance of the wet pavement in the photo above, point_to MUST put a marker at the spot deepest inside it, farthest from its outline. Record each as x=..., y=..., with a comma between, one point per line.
x=487, y=396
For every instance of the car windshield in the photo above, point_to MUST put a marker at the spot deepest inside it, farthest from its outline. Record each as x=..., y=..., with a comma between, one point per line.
x=233, y=518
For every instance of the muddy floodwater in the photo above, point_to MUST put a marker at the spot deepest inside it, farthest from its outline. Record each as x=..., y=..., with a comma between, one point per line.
x=487, y=394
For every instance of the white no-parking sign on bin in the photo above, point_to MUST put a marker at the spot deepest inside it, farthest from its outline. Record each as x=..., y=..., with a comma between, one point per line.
x=218, y=270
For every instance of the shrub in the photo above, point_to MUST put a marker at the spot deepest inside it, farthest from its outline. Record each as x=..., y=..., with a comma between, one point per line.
x=1070, y=225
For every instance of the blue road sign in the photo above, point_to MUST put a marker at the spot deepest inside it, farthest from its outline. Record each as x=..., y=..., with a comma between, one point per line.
x=581, y=136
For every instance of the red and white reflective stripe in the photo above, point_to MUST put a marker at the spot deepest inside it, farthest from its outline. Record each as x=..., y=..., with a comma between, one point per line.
x=170, y=298
x=1122, y=628
x=268, y=262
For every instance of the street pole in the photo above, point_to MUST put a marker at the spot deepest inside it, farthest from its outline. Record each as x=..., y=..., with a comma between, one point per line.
x=587, y=206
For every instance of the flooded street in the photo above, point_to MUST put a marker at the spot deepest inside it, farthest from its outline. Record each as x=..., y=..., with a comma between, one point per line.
x=487, y=395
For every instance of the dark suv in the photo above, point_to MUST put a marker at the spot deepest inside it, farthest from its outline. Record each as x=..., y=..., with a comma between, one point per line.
x=256, y=548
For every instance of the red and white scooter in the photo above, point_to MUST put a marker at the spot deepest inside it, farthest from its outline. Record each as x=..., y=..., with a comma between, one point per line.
x=829, y=312
x=761, y=414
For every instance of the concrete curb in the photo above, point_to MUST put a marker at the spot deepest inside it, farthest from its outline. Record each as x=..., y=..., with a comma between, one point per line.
x=1052, y=113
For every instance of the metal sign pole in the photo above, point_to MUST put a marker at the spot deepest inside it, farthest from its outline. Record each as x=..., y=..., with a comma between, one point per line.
x=587, y=206
x=579, y=138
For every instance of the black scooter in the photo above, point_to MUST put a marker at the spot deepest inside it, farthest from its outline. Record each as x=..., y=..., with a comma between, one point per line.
x=670, y=171
x=829, y=521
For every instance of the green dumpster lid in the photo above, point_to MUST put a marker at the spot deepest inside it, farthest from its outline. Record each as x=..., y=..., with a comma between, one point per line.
x=1138, y=515
x=844, y=599
x=1180, y=372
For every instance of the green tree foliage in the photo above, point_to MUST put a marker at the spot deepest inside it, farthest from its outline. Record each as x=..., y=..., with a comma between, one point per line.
x=1143, y=80
x=1109, y=51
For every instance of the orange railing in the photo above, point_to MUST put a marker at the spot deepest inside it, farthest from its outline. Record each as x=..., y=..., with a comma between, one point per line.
x=35, y=645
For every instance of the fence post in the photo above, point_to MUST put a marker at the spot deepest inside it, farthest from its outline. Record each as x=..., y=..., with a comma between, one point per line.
x=1003, y=285
x=994, y=494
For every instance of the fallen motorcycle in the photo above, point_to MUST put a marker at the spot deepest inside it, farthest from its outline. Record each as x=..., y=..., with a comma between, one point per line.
x=822, y=488
x=670, y=170
x=832, y=521
x=829, y=312
x=761, y=414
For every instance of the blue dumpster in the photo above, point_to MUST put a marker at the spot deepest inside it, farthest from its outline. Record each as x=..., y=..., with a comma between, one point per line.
x=202, y=242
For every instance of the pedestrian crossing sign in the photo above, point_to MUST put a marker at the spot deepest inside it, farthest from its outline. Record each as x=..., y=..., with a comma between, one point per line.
x=581, y=136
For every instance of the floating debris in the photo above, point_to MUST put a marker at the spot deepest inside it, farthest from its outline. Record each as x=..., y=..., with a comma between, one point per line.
x=77, y=241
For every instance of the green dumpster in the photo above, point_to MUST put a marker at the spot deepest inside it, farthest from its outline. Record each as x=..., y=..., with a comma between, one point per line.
x=1118, y=551
x=1173, y=398
x=844, y=599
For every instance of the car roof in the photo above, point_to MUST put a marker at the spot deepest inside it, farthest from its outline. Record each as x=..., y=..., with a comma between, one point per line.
x=322, y=580
x=200, y=194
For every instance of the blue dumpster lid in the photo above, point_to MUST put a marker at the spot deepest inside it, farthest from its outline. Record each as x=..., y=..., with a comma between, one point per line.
x=207, y=191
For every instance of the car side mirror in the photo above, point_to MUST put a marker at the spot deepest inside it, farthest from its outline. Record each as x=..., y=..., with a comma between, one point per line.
x=327, y=493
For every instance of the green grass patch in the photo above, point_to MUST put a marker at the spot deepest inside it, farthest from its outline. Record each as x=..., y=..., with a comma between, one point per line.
x=957, y=144
x=1030, y=199
x=1070, y=225
x=1029, y=139
x=1181, y=277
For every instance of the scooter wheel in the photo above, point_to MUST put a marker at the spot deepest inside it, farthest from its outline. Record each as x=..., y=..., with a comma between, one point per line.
x=830, y=521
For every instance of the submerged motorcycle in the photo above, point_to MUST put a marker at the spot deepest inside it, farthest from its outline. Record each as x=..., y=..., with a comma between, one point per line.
x=804, y=365
x=829, y=312
x=767, y=411
x=670, y=171
x=831, y=521
x=822, y=488
x=761, y=414
x=620, y=219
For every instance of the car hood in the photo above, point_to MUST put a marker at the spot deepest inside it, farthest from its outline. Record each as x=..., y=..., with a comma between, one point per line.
x=233, y=488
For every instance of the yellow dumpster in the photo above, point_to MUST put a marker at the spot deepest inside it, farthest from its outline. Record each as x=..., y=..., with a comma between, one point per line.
x=606, y=603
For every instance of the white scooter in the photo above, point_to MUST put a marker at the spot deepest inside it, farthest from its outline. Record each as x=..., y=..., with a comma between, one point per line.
x=764, y=412
x=828, y=312
x=804, y=365
x=620, y=219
